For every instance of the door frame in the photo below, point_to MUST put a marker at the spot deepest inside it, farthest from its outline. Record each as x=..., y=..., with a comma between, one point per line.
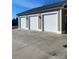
x=37, y=15
x=49, y=13
x=26, y=22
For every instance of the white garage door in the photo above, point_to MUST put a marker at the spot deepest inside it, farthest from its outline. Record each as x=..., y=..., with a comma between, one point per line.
x=34, y=22
x=50, y=23
x=23, y=23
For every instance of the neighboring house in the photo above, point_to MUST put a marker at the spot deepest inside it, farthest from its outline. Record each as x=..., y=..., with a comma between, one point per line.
x=47, y=18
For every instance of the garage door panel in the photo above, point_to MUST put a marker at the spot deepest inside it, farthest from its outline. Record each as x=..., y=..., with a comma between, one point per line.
x=34, y=23
x=50, y=23
x=23, y=23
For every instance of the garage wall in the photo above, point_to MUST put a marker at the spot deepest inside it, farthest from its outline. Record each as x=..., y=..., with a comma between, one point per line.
x=19, y=23
x=27, y=22
x=59, y=20
x=39, y=22
x=64, y=25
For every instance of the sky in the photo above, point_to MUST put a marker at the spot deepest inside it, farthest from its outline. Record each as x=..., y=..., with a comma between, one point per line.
x=23, y=5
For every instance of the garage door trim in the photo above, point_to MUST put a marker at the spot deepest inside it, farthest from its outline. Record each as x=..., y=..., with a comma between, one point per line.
x=36, y=15
x=25, y=22
x=50, y=13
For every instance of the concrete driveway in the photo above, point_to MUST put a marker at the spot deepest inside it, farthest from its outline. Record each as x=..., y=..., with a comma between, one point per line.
x=38, y=45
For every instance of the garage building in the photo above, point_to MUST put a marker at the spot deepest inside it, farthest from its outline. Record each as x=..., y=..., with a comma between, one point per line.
x=47, y=18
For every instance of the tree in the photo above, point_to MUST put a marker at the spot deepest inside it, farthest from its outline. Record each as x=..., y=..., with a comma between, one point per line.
x=15, y=22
